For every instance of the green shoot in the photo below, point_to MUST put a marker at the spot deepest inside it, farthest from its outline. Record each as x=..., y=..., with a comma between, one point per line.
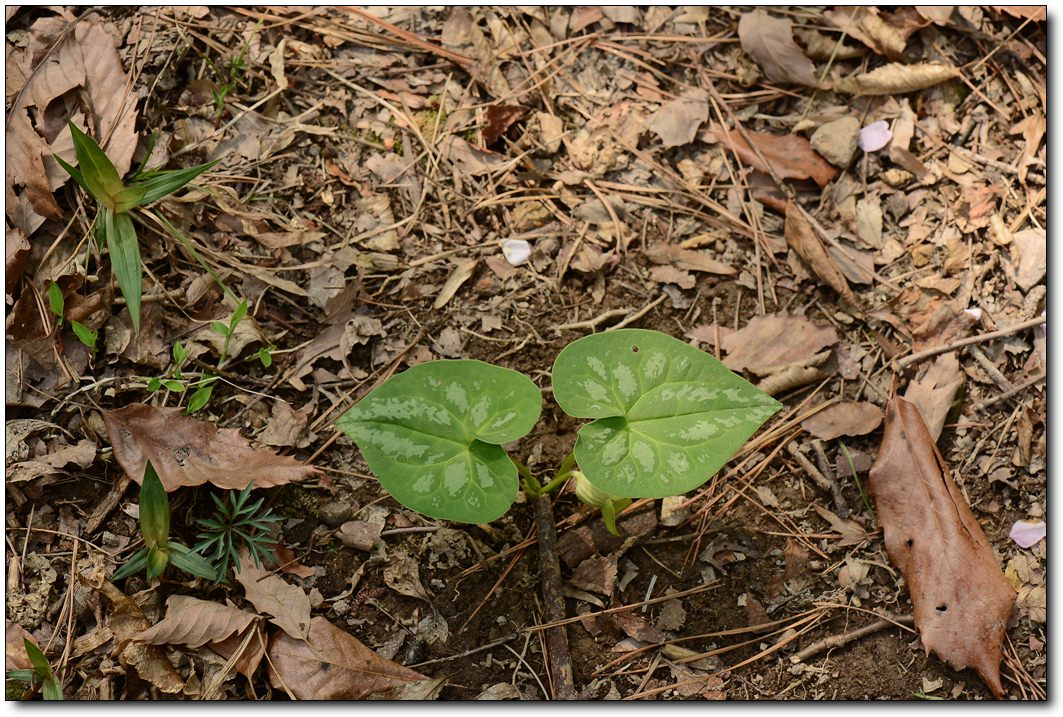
x=159, y=550
x=859, y=486
x=51, y=688
x=235, y=526
x=229, y=330
x=96, y=174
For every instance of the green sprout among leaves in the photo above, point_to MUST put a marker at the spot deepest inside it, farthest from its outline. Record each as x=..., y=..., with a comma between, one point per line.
x=97, y=175
x=236, y=526
x=51, y=689
x=665, y=417
x=57, y=303
x=159, y=550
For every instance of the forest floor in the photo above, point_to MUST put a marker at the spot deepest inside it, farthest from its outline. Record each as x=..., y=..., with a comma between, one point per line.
x=664, y=168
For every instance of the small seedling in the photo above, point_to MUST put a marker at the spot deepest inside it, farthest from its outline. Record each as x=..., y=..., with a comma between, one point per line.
x=159, y=550
x=201, y=397
x=176, y=383
x=57, y=303
x=97, y=175
x=665, y=417
x=265, y=355
x=228, y=330
x=42, y=674
x=235, y=526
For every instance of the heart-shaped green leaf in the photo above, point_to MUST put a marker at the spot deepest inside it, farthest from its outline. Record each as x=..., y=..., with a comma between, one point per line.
x=432, y=436
x=668, y=415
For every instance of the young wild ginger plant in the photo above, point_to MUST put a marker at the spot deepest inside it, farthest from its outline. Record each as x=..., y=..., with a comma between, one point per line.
x=664, y=418
x=159, y=550
x=97, y=175
x=236, y=526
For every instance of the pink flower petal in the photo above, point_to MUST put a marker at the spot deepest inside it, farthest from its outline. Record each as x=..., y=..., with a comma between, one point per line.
x=516, y=251
x=1027, y=532
x=875, y=136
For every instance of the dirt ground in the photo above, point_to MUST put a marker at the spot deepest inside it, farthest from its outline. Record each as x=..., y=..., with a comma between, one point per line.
x=371, y=165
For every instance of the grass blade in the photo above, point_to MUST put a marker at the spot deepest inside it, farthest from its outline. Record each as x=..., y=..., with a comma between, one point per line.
x=125, y=259
x=99, y=174
x=162, y=182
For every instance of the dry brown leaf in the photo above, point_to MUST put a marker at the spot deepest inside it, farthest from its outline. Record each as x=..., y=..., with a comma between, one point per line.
x=288, y=427
x=15, y=655
x=17, y=250
x=1035, y=13
x=933, y=392
x=846, y=418
x=768, y=343
x=286, y=604
x=886, y=36
x=671, y=275
x=937, y=14
x=851, y=531
x=803, y=239
x=1030, y=257
x=789, y=156
x=187, y=452
x=470, y=159
x=896, y=79
x=194, y=622
x=677, y=122
x=332, y=665
x=126, y=620
x=1033, y=131
x=687, y=259
x=248, y=662
x=770, y=42
x=463, y=271
x=961, y=599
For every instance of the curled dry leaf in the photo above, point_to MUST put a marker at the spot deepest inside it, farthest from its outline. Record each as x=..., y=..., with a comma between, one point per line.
x=789, y=156
x=687, y=259
x=286, y=604
x=850, y=531
x=194, y=622
x=868, y=26
x=896, y=79
x=332, y=665
x=961, y=599
x=186, y=451
x=770, y=42
x=847, y=418
x=768, y=343
x=803, y=239
x=932, y=393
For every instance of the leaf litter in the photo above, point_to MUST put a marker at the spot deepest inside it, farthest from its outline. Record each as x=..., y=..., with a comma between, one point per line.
x=645, y=185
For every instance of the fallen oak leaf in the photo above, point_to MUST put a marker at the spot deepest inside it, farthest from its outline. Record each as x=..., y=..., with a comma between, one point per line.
x=187, y=452
x=961, y=599
x=193, y=622
x=846, y=418
x=788, y=156
x=286, y=604
x=332, y=665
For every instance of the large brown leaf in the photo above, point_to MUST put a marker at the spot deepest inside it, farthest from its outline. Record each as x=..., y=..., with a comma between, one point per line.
x=194, y=622
x=770, y=41
x=186, y=451
x=332, y=665
x=960, y=596
x=789, y=155
x=771, y=342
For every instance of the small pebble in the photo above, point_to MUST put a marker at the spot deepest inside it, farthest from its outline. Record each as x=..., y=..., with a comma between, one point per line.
x=837, y=140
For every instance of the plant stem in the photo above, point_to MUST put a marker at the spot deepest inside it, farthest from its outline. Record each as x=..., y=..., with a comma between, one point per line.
x=531, y=483
x=558, y=656
x=859, y=487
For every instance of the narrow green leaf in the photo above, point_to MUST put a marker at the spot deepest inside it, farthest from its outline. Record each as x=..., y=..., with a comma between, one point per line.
x=128, y=197
x=180, y=353
x=51, y=690
x=238, y=315
x=162, y=182
x=86, y=335
x=175, y=386
x=26, y=676
x=73, y=171
x=154, y=509
x=219, y=328
x=668, y=416
x=158, y=558
x=125, y=259
x=265, y=355
x=98, y=173
x=433, y=436
x=135, y=564
x=56, y=300
x=199, y=399
x=37, y=659
x=192, y=563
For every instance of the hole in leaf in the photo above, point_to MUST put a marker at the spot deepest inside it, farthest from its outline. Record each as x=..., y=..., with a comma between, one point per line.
x=634, y=349
x=942, y=608
x=909, y=542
